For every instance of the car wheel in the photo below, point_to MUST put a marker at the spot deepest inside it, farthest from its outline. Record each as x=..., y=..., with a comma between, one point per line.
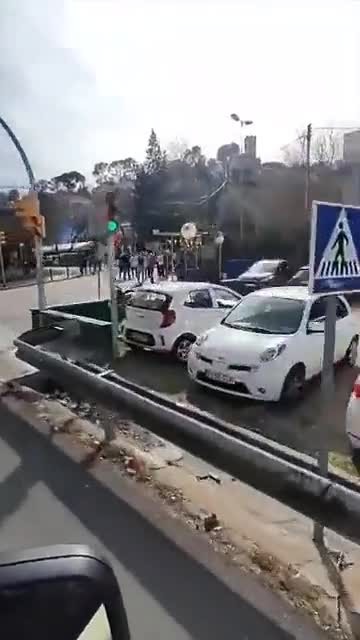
x=352, y=353
x=182, y=348
x=293, y=387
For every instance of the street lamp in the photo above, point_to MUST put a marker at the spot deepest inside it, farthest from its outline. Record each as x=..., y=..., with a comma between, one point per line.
x=243, y=123
x=219, y=241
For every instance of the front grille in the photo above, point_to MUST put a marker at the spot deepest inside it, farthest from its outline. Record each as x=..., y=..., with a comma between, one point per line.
x=140, y=337
x=239, y=367
x=240, y=387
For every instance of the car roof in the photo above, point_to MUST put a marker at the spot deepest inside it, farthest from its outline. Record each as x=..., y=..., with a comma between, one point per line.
x=271, y=260
x=170, y=286
x=295, y=293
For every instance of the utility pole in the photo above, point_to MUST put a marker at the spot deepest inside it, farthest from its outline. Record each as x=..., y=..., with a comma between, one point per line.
x=38, y=238
x=307, y=168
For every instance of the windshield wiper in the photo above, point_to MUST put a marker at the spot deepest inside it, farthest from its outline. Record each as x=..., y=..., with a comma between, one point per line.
x=246, y=327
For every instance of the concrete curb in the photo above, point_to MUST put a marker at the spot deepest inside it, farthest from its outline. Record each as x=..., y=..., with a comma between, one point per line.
x=61, y=419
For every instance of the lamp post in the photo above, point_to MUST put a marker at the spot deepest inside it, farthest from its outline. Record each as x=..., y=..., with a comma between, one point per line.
x=243, y=123
x=219, y=241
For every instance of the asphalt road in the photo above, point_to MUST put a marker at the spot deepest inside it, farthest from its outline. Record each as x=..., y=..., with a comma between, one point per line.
x=46, y=498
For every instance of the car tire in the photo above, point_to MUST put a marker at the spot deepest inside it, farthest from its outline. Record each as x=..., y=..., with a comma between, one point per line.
x=351, y=354
x=294, y=384
x=182, y=347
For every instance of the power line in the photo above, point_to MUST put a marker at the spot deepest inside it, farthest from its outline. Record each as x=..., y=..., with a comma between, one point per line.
x=203, y=200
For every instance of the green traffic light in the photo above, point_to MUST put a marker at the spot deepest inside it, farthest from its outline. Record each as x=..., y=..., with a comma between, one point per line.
x=112, y=226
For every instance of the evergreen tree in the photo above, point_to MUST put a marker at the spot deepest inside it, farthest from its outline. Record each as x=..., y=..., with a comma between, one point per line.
x=155, y=160
x=149, y=189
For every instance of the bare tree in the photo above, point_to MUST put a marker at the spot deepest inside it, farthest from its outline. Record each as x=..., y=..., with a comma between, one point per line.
x=326, y=148
x=295, y=152
x=176, y=149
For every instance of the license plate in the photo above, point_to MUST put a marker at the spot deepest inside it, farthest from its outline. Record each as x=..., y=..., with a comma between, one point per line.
x=139, y=337
x=219, y=377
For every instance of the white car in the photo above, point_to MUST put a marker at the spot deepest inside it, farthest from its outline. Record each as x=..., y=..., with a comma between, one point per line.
x=168, y=316
x=353, y=417
x=270, y=344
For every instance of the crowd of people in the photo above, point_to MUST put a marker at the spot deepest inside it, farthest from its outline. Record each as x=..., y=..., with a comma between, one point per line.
x=137, y=265
x=141, y=265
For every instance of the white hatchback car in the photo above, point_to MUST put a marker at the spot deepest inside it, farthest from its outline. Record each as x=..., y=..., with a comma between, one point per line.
x=270, y=344
x=168, y=316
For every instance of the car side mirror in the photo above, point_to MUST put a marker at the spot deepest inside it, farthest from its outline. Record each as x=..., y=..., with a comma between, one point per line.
x=62, y=592
x=314, y=326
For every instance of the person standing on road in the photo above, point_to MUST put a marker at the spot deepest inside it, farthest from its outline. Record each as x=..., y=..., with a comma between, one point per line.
x=145, y=265
x=140, y=267
x=151, y=266
x=122, y=266
x=160, y=265
x=134, y=263
x=126, y=265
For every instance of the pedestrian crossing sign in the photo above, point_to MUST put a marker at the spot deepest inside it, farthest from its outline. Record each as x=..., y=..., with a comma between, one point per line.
x=334, y=248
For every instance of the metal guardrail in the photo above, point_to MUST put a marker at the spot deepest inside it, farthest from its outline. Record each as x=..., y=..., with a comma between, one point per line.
x=276, y=470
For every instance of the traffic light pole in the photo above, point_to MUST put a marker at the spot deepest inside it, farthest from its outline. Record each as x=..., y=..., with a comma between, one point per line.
x=113, y=296
x=40, y=273
x=38, y=241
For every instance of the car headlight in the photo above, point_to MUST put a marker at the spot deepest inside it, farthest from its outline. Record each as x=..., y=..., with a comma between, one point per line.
x=201, y=339
x=272, y=352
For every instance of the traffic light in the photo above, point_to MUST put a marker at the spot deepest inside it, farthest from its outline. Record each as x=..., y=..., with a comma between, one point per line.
x=112, y=222
x=2, y=238
x=28, y=210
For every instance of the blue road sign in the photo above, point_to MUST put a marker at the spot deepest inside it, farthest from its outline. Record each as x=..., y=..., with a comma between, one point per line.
x=334, y=248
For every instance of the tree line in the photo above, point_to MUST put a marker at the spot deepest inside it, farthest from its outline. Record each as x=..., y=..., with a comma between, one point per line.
x=260, y=216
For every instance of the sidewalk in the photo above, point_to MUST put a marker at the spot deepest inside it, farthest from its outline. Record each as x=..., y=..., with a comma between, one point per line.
x=273, y=540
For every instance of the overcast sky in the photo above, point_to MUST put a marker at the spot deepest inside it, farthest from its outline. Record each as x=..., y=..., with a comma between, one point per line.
x=85, y=80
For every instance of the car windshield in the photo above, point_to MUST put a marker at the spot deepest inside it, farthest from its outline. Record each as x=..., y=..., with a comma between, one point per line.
x=265, y=266
x=152, y=300
x=266, y=314
x=301, y=276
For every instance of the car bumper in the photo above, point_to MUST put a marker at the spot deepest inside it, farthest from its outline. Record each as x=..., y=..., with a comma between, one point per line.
x=156, y=341
x=263, y=382
x=353, y=422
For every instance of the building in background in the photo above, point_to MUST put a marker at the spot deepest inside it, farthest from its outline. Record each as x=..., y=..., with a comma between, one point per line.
x=351, y=168
x=244, y=168
x=351, y=154
x=250, y=146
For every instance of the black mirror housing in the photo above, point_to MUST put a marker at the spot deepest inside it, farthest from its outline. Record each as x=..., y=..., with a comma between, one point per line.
x=55, y=592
